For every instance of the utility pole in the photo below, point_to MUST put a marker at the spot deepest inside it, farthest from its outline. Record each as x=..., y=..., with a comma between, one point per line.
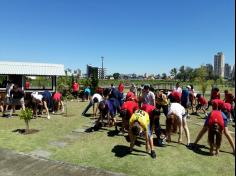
x=102, y=73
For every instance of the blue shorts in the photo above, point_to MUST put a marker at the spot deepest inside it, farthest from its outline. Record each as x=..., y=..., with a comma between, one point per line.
x=149, y=130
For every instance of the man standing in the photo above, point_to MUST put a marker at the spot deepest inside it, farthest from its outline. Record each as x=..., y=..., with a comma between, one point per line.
x=148, y=96
x=75, y=89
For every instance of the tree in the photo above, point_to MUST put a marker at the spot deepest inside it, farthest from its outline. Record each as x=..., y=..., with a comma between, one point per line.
x=201, y=74
x=173, y=72
x=26, y=115
x=182, y=74
x=164, y=76
x=116, y=75
x=94, y=81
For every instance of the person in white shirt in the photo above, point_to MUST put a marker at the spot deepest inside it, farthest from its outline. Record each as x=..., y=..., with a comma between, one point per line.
x=176, y=117
x=9, y=87
x=178, y=88
x=148, y=96
x=95, y=100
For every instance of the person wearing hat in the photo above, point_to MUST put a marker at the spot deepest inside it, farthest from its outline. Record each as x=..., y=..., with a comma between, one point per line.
x=215, y=117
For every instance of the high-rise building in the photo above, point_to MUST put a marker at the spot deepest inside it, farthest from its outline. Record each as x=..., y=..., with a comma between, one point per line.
x=219, y=64
x=209, y=67
x=233, y=73
x=227, y=73
x=96, y=72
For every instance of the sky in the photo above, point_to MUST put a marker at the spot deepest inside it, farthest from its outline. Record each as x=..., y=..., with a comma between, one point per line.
x=133, y=36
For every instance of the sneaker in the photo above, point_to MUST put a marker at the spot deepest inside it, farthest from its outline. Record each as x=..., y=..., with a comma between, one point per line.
x=153, y=154
x=48, y=117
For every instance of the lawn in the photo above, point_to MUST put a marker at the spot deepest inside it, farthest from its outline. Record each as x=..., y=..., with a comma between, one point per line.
x=61, y=137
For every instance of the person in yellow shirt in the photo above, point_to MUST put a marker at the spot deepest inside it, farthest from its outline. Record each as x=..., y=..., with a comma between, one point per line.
x=139, y=124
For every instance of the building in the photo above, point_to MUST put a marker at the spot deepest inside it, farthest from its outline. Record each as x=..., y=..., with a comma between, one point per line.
x=233, y=73
x=219, y=64
x=95, y=71
x=30, y=76
x=209, y=68
x=227, y=72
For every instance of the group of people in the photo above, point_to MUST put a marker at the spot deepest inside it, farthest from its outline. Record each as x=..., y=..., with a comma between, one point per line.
x=141, y=108
x=38, y=101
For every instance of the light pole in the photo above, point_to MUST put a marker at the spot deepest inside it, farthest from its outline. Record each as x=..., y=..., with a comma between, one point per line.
x=102, y=73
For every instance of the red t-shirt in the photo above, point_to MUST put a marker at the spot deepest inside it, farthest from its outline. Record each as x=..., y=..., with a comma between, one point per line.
x=148, y=109
x=121, y=88
x=75, y=87
x=215, y=95
x=229, y=98
x=130, y=106
x=216, y=117
x=202, y=101
x=57, y=96
x=177, y=96
x=220, y=103
x=130, y=96
x=227, y=107
x=27, y=85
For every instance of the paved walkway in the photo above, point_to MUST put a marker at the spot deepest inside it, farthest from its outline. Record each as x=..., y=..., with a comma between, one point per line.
x=15, y=164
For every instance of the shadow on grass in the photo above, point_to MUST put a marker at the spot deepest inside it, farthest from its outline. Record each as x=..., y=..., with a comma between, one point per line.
x=137, y=142
x=23, y=131
x=112, y=133
x=122, y=151
x=196, y=148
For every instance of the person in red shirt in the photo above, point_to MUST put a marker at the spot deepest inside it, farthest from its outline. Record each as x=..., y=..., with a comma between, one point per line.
x=57, y=102
x=154, y=115
x=127, y=110
x=215, y=124
x=227, y=109
x=202, y=104
x=215, y=94
x=175, y=96
x=229, y=98
x=131, y=96
x=75, y=89
x=121, y=88
x=27, y=84
x=220, y=103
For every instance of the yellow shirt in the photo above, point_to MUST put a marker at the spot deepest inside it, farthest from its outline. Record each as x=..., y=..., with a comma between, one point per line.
x=142, y=117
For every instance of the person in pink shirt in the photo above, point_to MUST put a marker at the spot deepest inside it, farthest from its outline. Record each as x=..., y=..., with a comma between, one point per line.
x=75, y=89
x=57, y=102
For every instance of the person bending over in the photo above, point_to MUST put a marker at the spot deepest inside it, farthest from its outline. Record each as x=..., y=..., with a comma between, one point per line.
x=214, y=129
x=177, y=118
x=139, y=125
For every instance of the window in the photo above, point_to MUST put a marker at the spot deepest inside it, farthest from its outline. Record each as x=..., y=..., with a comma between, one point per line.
x=38, y=82
x=3, y=81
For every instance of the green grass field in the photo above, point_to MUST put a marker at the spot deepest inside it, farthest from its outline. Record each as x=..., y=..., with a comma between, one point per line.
x=103, y=150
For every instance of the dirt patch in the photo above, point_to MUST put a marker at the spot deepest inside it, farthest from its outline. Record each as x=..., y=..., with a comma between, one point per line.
x=23, y=131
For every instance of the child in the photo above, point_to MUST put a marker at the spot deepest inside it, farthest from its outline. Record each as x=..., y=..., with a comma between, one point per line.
x=216, y=116
x=57, y=102
x=177, y=118
x=202, y=104
x=139, y=124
